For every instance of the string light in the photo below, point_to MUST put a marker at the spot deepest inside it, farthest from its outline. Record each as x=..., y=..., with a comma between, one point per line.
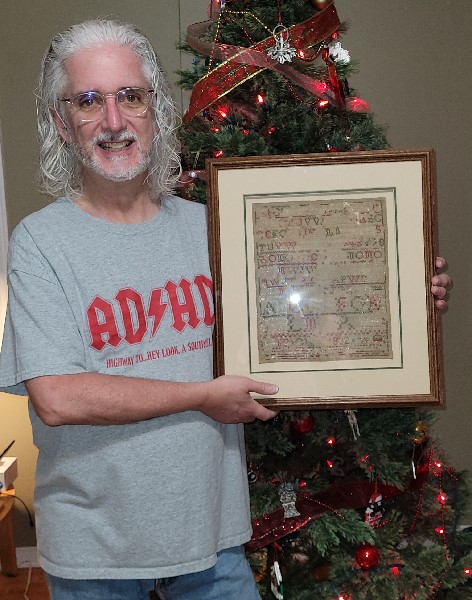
x=420, y=497
x=260, y=99
x=395, y=571
x=331, y=441
x=223, y=112
x=218, y=153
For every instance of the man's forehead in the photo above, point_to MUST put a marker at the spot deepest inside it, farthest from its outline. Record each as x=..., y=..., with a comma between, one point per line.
x=106, y=67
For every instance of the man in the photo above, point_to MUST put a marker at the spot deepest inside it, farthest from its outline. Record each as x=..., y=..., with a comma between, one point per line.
x=141, y=476
x=109, y=323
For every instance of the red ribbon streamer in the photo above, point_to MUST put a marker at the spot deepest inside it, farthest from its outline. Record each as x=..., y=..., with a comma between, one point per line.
x=333, y=77
x=273, y=526
x=241, y=64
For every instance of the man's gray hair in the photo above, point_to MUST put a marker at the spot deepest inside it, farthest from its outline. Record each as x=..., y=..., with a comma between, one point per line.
x=60, y=171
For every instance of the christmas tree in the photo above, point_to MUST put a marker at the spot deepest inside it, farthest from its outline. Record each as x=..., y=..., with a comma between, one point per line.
x=345, y=505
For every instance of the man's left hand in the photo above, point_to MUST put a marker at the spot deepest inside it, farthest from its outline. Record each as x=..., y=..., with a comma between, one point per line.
x=441, y=283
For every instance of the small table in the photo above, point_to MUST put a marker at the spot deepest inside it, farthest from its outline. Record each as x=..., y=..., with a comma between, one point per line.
x=7, y=540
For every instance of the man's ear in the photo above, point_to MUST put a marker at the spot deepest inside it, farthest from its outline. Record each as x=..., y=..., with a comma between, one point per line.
x=62, y=128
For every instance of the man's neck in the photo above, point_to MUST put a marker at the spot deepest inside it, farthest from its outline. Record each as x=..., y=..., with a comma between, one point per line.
x=123, y=202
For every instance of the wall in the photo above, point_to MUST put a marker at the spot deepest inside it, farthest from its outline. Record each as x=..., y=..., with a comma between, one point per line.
x=412, y=57
x=3, y=244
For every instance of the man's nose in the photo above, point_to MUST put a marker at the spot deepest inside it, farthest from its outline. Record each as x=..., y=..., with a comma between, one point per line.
x=112, y=116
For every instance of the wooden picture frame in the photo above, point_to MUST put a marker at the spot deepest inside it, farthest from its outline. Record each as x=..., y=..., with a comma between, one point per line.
x=322, y=266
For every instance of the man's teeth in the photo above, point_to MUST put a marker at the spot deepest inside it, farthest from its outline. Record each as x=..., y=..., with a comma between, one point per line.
x=115, y=145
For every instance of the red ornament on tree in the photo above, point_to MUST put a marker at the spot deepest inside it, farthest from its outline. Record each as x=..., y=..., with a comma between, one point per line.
x=303, y=426
x=367, y=557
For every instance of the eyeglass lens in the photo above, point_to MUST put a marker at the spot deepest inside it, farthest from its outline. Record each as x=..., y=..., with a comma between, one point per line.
x=131, y=102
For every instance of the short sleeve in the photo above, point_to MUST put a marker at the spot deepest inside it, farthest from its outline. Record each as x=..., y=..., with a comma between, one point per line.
x=41, y=336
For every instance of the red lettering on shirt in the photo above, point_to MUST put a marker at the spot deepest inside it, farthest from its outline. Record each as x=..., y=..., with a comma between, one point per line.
x=102, y=324
x=128, y=312
x=131, y=303
x=183, y=305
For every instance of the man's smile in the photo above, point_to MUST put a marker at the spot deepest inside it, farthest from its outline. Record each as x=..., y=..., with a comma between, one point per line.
x=115, y=146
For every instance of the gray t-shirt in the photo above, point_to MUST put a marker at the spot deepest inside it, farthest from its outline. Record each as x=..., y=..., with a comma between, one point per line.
x=151, y=499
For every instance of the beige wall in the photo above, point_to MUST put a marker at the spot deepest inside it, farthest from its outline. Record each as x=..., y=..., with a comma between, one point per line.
x=413, y=72
x=414, y=59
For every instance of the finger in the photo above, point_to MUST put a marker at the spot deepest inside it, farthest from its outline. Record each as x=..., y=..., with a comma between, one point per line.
x=263, y=388
x=442, y=280
x=441, y=305
x=264, y=414
x=441, y=263
x=439, y=292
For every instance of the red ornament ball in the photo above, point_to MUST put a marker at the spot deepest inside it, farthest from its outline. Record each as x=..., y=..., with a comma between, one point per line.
x=303, y=426
x=367, y=557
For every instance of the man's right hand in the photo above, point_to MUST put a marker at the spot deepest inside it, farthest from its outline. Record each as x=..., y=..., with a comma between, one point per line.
x=228, y=400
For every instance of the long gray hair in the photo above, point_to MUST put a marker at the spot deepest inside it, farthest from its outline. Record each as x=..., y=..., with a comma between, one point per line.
x=60, y=171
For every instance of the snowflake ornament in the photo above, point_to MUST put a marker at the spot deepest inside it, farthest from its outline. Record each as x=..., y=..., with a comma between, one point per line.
x=337, y=52
x=282, y=51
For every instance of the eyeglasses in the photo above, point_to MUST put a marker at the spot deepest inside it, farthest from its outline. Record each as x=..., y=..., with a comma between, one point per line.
x=90, y=106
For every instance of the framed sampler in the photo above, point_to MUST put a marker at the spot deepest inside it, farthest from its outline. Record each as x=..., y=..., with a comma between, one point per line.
x=322, y=266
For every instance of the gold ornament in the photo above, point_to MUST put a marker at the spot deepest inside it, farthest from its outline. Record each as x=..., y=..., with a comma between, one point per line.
x=421, y=433
x=258, y=561
x=320, y=4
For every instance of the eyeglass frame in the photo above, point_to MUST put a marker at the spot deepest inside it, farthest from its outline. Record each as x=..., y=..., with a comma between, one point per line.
x=110, y=95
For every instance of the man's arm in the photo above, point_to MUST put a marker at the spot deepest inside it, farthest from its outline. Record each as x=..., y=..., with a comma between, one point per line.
x=99, y=399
